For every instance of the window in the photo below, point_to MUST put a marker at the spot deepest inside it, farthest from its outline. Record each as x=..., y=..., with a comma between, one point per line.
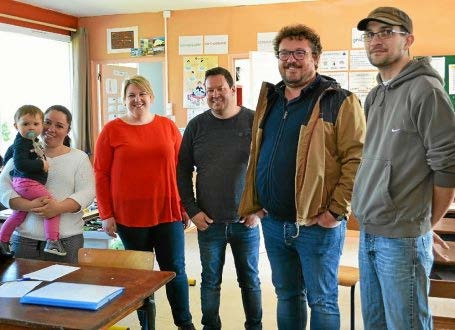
x=35, y=69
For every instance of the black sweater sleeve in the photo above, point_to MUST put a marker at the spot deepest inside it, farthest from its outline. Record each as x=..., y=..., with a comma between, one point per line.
x=185, y=168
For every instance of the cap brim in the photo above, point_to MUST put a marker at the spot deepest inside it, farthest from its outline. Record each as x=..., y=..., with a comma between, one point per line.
x=362, y=26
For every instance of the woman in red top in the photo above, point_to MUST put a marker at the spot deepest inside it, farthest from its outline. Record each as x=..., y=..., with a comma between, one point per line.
x=136, y=190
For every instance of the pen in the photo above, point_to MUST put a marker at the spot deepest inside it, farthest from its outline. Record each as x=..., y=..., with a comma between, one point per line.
x=18, y=280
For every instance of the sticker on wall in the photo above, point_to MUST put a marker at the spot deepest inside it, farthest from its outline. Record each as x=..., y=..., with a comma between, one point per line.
x=194, y=67
x=189, y=45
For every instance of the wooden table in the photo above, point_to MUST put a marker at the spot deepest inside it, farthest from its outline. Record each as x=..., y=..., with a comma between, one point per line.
x=138, y=285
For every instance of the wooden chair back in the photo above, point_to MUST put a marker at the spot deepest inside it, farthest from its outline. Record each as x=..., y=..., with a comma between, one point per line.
x=116, y=258
x=443, y=289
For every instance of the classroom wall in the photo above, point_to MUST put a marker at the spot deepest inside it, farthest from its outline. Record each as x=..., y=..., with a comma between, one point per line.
x=332, y=19
x=23, y=10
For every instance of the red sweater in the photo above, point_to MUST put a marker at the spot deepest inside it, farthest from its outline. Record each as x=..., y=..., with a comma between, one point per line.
x=135, y=171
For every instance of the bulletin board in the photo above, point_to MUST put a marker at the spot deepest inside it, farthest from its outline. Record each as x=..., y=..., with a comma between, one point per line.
x=445, y=65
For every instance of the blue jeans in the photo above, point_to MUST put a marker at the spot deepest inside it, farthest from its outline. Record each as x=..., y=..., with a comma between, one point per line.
x=245, y=249
x=304, y=268
x=394, y=281
x=167, y=241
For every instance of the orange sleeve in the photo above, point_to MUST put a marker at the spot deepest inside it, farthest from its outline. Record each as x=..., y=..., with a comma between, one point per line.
x=104, y=153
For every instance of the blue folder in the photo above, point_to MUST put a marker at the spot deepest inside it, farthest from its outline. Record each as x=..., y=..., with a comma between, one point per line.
x=73, y=295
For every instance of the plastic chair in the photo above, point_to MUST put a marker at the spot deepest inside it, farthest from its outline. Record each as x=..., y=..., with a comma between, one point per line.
x=349, y=276
x=122, y=259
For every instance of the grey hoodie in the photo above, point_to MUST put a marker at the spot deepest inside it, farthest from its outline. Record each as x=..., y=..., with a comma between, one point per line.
x=409, y=148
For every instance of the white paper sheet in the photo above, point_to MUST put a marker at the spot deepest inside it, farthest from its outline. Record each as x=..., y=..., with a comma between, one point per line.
x=17, y=289
x=51, y=273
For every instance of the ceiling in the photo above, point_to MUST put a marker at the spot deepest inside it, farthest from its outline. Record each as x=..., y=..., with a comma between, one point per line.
x=85, y=8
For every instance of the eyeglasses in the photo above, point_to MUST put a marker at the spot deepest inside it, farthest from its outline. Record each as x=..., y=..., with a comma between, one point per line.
x=384, y=34
x=298, y=54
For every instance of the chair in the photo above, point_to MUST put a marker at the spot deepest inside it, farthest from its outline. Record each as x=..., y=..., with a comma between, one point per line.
x=121, y=259
x=443, y=289
x=349, y=276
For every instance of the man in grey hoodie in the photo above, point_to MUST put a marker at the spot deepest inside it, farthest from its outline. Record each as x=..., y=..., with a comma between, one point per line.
x=406, y=179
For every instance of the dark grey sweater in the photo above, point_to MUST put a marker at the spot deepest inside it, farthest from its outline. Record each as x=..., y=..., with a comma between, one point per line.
x=219, y=149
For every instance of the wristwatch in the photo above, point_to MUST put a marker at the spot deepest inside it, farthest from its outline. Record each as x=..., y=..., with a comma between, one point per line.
x=339, y=217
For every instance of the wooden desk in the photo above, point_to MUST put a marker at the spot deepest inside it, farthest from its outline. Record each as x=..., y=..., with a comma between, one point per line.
x=445, y=226
x=138, y=284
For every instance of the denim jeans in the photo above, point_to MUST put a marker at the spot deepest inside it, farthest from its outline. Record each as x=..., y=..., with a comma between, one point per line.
x=394, y=281
x=304, y=268
x=167, y=241
x=245, y=249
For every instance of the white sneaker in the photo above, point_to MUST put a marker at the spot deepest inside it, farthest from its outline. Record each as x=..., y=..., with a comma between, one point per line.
x=55, y=247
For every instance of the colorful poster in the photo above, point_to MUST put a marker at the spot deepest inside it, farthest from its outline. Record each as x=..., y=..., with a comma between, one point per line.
x=194, y=68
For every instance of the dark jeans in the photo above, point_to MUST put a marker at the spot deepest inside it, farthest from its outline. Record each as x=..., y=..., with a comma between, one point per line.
x=245, y=249
x=304, y=267
x=167, y=241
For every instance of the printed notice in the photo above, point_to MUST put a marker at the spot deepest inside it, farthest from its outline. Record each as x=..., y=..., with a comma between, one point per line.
x=334, y=60
x=357, y=39
x=189, y=45
x=111, y=86
x=362, y=82
x=340, y=76
x=265, y=41
x=439, y=64
x=216, y=44
x=51, y=273
x=451, y=79
x=359, y=60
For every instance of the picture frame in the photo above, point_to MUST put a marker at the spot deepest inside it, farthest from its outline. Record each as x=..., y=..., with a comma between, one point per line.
x=121, y=40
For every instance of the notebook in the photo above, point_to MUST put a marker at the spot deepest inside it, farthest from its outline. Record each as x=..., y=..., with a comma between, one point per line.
x=73, y=295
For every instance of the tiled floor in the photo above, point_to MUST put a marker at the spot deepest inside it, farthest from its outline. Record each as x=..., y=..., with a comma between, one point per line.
x=231, y=304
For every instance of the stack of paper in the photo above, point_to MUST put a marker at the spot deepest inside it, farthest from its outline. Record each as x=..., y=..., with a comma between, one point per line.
x=73, y=295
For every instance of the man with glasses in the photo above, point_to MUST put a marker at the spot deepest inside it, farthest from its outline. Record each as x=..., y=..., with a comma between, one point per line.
x=307, y=142
x=407, y=177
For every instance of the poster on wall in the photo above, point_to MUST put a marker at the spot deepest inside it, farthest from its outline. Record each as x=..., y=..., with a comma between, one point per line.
x=357, y=38
x=334, y=60
x=194, y=68
x=216, y=44
x=359, y=60
x=265, y=41
x=190, y=45
x=361, y=83
x=340, y=76
x=121, y=40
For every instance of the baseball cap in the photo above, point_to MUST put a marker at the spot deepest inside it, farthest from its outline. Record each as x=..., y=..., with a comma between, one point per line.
x=388, y=15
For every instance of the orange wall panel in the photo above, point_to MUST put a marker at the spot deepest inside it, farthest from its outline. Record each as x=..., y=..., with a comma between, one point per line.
x=332, y=19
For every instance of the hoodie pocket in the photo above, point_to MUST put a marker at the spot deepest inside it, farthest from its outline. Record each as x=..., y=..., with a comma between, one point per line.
x=371, y=196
